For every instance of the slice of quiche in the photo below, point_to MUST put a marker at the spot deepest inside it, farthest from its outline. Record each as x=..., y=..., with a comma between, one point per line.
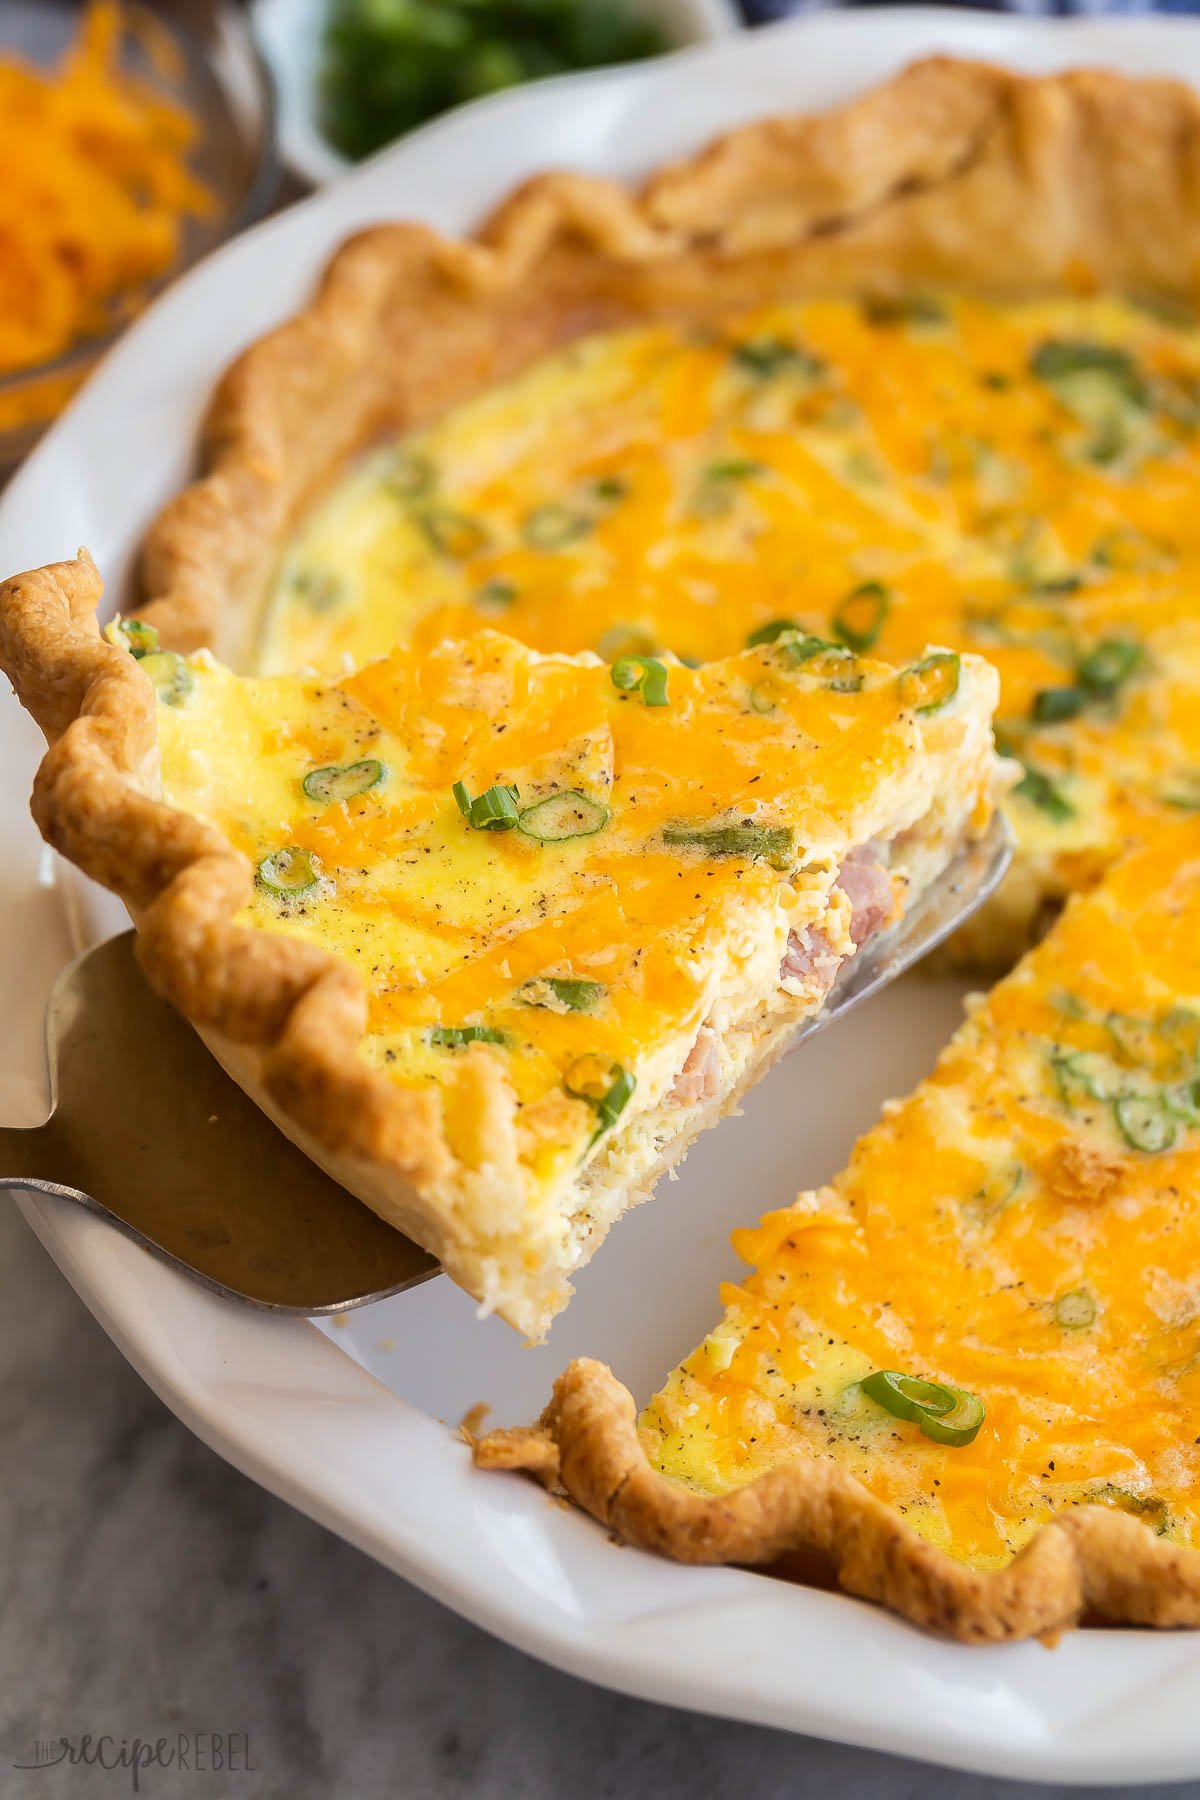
x=968, y=1371
x=495, y=933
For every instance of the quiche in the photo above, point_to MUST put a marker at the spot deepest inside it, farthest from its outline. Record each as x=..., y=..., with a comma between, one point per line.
x=1020, y=480
x=924, y=368
x=496, y=933
x=967, y=1372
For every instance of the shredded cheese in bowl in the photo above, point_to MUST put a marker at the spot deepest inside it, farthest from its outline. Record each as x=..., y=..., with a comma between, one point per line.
x=95, y=190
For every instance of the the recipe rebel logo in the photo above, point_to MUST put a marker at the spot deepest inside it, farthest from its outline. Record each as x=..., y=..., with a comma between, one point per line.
x=190, y=1752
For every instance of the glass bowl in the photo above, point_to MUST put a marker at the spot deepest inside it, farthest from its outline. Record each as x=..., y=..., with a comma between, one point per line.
x=222, y=81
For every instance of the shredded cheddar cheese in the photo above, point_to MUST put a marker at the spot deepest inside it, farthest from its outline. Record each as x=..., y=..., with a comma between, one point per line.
x=1024, y=1227
x=1020, y=481
x=94, y=191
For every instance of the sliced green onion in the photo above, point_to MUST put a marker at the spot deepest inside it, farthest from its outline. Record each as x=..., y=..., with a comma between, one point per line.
x=1064, y=360
x=139, y=639
x=291, y=870
x=334, y=783
x=496, y=594
x=904, y=309
x=570, y=993
x=320, y=590
x=1110, y=664
x=1144, y=1122
x=766, y=357
x=1045, y=794
x=562, y=816
x=932, y=683
x=1075, y=1311
x=642, y=674
x=774, y=844
x=1184, y=1101
x=554, y=526
x=604, y=1084
x=173, y=680
x=453, y=534
x=610, y=487
x=1082, y=1075
x=948, y=1415
x=453, y=1037
x=763, y=698
x=859, y=618
x=733, y=468
x=625, y=640
x=795, y=649
x=772, y=631
x=411, y=475
x=1187, y=795
x=493, y=810
x=1052, y=705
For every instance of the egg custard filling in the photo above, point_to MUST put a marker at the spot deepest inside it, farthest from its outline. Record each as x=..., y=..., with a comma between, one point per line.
x=1019, y=480
x=993, y=1314
x=589, y=903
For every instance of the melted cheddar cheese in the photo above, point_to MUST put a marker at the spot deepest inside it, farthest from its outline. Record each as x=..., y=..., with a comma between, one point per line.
x=656, y=859
x=1022, y=481
x=1025, y=1227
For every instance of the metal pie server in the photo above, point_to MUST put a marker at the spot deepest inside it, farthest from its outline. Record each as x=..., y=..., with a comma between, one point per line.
x=148, y=1131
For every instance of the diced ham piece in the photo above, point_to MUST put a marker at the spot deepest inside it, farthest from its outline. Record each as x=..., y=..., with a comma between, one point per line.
x=700, y=1077
x=810, y=958
x=868, y=887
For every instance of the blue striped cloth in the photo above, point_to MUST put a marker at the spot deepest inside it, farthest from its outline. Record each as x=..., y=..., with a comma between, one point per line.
x=759, y=12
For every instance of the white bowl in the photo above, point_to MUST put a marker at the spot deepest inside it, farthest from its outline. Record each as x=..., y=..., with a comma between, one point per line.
x=355, y=1425
x=289, y=33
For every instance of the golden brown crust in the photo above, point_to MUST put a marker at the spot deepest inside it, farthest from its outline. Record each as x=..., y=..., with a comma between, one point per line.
x=953, y=173
x=1091, y=1560
x=293, y=1015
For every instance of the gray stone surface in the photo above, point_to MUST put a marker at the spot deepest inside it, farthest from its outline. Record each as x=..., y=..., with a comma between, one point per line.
x=147, y=1588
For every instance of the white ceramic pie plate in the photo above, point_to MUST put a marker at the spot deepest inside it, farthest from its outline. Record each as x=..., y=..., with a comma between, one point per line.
x=348, y=1423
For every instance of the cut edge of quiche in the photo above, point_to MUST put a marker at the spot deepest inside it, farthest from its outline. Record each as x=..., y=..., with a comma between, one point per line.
x=960, y=1379
x=512, y=1201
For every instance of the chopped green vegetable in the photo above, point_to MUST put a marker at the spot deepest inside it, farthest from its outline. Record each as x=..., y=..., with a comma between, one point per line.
x=644, y=675
x=140, y=640
x=1083, y=1075
x=496, y=594
x=388, y=65
x=772, y=631
x=859, y=618
x=292, y=870
x=932, y=683
x=734, y=468
x=1111, y=663
x=766, y=357
x=411, y=475
x=320, y=589
x=1183, y=1099
x=1144, y=1122
x=1053, y=705
x=774, y=844
x=1063, y=361
x=562, y=816
x=948, y=1415
x=334, y=783
x=453, y=534
x=453, y=1037
x=493, y=810
x=1075, y=1311
x=904, y=309
x=569, y=993
x=604, y=1084
x=610, y=487
x=173, y=680
x=554, y=526
x=1045, y=794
